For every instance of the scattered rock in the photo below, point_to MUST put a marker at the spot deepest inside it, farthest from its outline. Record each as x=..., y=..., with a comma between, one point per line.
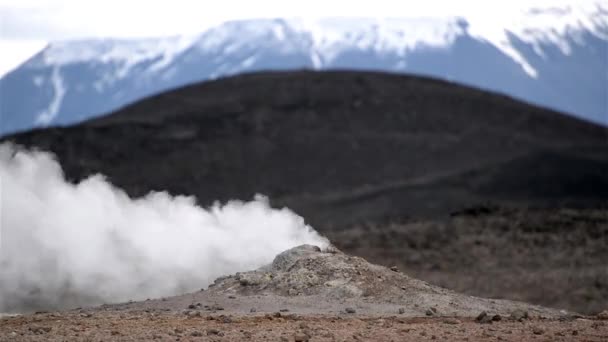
x=394, y=269
x=252, y=310
x=191, y=306
x=496, y=318
x=350, y=310
x=225, y=319
x=214, y=307
x=401, y=311
x=232, y=297
x=301, y=337
x=284, y=310
x=603, y=315
x=40, y=330
x=519, y=315
x=196, y=334
x=452, y=321
x=429, y=312
x=538, y=331
x=213, y=331
x=484, y=318
x=195, y=314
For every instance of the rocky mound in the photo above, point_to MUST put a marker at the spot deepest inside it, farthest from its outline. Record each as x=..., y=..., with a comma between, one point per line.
x=330, y=276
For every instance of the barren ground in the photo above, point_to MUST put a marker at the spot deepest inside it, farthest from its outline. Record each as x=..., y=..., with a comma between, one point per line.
x=172, y=326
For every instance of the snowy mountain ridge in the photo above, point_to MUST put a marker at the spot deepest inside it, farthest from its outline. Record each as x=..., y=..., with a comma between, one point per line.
x=535, y=26
x=74, y=80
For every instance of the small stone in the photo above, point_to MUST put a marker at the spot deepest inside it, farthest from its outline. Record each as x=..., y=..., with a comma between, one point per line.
x=350, y=310
x=232, y=297
x=214, y=307
x=394, y=269
x=213, y=332
x=538, y=331
x=496, y=318
x=196, y=334
x=225, y=319
x=603, y=315
x=284, y=339
x=574, y=332
x=519, y=315
x=429, y=312
x=401, y=311
x=284, y=310
x=453, y=321
x=253, y=310
x=301, y=337
x=114, y=333
x=484, y=318
x=191, y=306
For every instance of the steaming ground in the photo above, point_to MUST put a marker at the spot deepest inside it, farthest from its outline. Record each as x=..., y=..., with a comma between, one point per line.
x=66, y=245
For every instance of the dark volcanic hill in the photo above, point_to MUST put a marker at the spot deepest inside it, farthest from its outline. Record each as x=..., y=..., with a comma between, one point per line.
x=339, y=147
x=378, y=162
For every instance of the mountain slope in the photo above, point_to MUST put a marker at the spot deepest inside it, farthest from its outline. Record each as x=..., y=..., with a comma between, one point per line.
x=325, y=143
x=550, y=57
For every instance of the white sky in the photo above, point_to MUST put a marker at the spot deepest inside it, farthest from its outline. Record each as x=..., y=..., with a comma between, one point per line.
x=27, y=25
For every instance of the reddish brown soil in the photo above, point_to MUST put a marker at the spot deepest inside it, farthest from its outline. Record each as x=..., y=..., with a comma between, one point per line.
x=169, y=326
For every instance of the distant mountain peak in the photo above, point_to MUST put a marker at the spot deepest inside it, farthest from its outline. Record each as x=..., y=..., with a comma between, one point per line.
x=521, y=54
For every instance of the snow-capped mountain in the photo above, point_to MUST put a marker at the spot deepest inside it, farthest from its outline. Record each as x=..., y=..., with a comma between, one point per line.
x=554, y=57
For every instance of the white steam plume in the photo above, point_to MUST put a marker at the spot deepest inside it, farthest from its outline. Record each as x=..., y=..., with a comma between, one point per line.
x=65, y=245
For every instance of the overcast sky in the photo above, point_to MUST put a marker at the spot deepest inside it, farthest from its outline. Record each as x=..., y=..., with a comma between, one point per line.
x=27, y=25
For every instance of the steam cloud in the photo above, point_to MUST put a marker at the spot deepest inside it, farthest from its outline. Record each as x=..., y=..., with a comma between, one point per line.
x=66, y=245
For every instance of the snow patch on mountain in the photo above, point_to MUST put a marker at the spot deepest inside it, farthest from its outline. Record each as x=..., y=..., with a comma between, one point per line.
x=326, y=38
x=331, y=36
x=541, y=26
x=59, y=90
